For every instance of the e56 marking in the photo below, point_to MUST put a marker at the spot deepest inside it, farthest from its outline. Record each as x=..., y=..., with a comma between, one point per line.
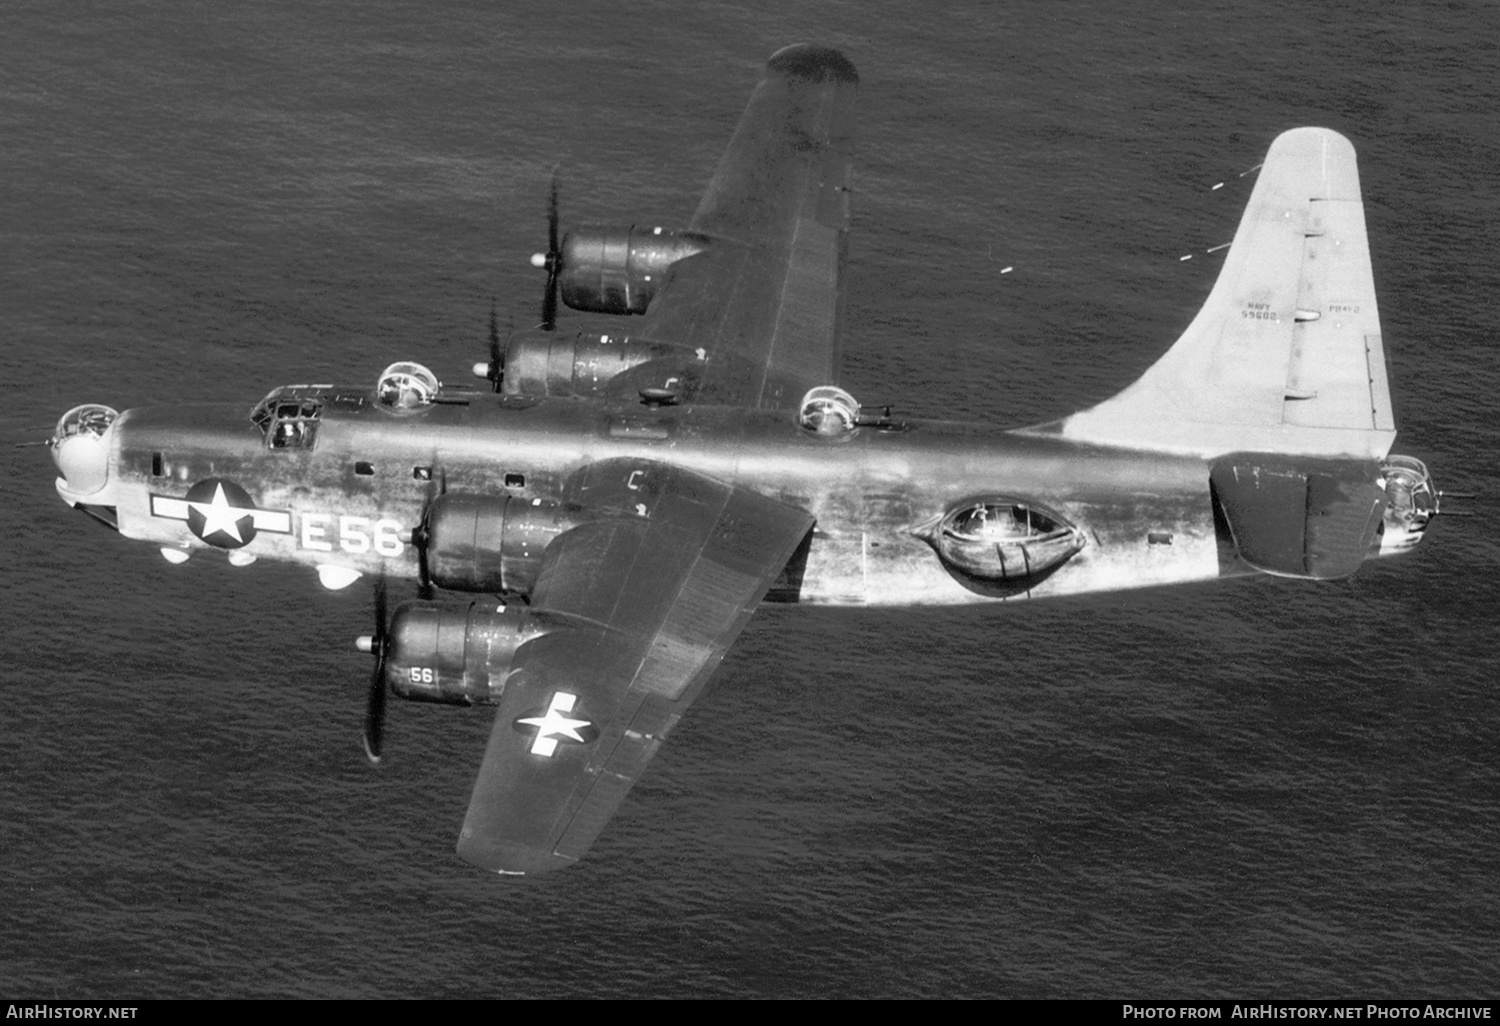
x=322, y=531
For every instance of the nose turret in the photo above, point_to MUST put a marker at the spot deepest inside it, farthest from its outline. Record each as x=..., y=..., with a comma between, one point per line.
x=80, y=449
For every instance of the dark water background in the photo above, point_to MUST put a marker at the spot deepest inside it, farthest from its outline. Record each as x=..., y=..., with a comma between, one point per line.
x=1256, y=789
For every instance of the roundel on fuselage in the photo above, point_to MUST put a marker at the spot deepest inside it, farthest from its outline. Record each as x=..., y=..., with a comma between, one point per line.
x=221, y=513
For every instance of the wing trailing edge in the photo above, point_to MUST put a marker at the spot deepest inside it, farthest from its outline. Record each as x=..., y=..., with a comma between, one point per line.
x=1285, y=356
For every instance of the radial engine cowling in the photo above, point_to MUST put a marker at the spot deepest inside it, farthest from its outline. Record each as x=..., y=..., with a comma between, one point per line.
x=491, y=543
x=997, y=539
x=617, y=270
x=552, y=363
x=459, y=654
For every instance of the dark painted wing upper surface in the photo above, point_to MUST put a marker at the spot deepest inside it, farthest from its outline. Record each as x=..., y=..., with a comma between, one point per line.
x=666, y=584
x=765, y=302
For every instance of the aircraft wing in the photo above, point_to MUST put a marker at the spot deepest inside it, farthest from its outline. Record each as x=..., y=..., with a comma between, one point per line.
x=667, y=582
x=765, y=301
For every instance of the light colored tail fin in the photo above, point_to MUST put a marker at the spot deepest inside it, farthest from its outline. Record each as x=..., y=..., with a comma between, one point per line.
x=1285, y=356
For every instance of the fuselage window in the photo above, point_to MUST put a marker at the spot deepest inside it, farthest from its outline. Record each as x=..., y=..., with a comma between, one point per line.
x=515, y=480
x=364, y=468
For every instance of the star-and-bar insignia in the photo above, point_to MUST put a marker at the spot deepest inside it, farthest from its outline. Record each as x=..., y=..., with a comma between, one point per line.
x=555, y=725
x=221, y=513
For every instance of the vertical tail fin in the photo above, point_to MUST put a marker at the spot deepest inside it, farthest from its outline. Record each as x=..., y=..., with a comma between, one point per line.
x=1285, y=356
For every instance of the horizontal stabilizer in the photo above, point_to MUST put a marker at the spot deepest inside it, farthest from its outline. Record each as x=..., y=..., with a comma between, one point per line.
x=1285, y=356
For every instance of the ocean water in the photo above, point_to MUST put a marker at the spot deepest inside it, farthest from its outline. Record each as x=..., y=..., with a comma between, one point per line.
x=1261, y=788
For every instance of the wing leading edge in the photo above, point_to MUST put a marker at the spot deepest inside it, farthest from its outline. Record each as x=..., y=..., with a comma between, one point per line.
x=765, y=301
x=666, y=584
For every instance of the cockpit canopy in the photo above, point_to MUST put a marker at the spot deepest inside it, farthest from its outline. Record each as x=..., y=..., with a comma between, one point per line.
x=406, y=386
x=289, y=416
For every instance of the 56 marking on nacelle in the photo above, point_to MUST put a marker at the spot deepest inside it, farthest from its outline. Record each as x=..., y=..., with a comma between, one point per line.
x=323, y=532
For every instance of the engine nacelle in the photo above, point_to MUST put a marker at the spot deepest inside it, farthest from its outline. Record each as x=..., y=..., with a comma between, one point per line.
x=491, y=543
x=459, y=654
x=552, y=363
x=617, y=270
x=996, y=539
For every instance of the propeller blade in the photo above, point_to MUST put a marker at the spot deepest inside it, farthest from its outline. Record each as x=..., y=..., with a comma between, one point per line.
x=374, y=735
x=549, y=305
x=380, y=608
x=553, y=260
x=497, y=358
x=552, y=213
x=424, y=579
x=375, y=714
x=421, y=536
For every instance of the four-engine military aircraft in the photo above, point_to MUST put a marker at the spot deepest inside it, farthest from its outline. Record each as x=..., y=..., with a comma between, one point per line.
x=601, y=523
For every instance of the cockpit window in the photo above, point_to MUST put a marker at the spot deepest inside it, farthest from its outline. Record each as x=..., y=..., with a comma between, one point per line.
x=288, y=421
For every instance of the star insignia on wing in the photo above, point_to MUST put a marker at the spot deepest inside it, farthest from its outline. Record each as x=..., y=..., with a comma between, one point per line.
x=555, y=724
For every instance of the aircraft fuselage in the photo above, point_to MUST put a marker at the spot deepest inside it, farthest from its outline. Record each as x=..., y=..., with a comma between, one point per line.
x=350, y=496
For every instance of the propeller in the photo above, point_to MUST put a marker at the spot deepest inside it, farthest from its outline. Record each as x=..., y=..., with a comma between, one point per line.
x=497, y=358
x=551, y=260
x=493, y=369
x=421, y=535
x=377, y=645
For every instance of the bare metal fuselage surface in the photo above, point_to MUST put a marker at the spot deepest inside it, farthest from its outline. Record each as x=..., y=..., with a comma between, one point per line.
x=354, y=496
